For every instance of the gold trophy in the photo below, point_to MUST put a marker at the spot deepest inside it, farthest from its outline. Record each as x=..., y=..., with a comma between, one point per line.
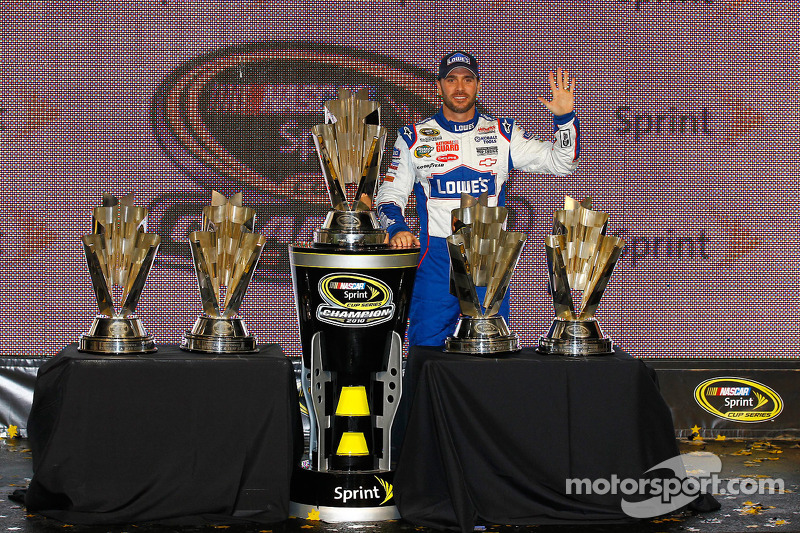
x=225, y=255
x=119, y=253
x=350, y=146
x=482, y=254
x=580, y=257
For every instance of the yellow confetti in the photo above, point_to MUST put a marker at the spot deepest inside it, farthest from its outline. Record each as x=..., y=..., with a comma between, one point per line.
x=742, y=452
x=775, y=451
x=720, y=437
x=313, y=514
x=306, y=527
x=751, y=508
x=12, y=431
x=696, y=429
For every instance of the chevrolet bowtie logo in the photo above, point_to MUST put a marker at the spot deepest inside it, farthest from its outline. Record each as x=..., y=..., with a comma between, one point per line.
x=487, y=162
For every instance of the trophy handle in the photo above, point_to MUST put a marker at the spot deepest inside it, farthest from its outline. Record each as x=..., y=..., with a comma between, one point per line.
x=506, y=261
x=461, y=284
x=209, y=292
x=137, y=278
x=93, y=244
x=251, y=247
x=369, y=177
x=558, y=280
x=611, y=248
x=335, y=191
x=384, y=421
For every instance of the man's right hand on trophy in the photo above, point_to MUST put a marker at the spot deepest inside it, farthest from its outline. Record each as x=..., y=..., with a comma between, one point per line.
x=403, y=239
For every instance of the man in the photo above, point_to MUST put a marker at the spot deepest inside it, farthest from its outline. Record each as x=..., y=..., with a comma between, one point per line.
x=461, y=151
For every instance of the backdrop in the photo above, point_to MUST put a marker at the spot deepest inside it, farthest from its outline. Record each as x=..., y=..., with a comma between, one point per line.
x=689, y=114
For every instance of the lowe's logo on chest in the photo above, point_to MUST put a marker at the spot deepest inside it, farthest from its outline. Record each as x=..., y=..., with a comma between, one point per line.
x=462, y=180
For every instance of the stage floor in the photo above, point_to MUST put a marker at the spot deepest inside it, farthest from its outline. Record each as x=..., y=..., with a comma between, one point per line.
x=740, y=459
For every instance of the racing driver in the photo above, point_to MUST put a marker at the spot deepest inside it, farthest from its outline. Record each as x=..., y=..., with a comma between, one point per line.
x=456, y=151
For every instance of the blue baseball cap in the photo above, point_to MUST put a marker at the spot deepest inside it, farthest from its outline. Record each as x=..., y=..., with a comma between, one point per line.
x=457, y=59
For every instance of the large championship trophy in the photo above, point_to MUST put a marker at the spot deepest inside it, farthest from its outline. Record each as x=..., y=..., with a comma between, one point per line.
x=119, y=252
x=352, y=293
x=482, y=254
x=225, y=255
x=580, y=257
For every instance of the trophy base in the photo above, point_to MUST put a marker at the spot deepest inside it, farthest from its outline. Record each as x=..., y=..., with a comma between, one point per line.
x=482, y=336
x=219, y=335
x=575, y=338
x=339, y=496
x=350, y=229
x=117, y=335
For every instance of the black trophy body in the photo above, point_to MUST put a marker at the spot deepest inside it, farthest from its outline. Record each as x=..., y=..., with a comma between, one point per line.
x=352, y=307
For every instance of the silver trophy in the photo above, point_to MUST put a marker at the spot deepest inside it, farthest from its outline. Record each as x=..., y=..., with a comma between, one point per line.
x=580, y=257
x=350, y=147
x=119, y=253
x=482, y=254
x=225, y=255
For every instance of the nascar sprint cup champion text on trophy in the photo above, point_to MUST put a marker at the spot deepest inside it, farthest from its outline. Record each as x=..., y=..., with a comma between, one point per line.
x=352, y=293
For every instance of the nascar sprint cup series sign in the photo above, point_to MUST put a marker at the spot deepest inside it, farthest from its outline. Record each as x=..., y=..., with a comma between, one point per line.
x=738, y=399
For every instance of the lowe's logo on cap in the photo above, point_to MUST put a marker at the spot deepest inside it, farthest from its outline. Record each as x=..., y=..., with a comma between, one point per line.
x=455, y=60
x=458, y=58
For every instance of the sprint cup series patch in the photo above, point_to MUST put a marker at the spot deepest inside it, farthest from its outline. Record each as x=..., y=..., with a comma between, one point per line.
x=354, y=300
x=738, y=400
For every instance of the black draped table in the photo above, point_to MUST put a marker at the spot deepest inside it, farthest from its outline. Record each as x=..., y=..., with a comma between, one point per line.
x=121, y=439
x=495, y=440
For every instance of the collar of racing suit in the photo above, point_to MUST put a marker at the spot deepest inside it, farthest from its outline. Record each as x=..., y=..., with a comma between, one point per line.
x=456, y=127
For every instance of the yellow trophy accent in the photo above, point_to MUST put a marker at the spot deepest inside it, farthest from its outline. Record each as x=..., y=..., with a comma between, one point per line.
x=387, y=488
x=353, y=402
x=352, y=443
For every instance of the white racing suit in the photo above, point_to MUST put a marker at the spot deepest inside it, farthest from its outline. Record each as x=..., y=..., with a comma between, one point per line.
x=439, y=160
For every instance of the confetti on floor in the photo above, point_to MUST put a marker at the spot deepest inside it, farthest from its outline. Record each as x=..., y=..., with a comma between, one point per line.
x=750, y=508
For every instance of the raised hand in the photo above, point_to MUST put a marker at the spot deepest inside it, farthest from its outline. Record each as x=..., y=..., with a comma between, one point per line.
x=563, y=100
